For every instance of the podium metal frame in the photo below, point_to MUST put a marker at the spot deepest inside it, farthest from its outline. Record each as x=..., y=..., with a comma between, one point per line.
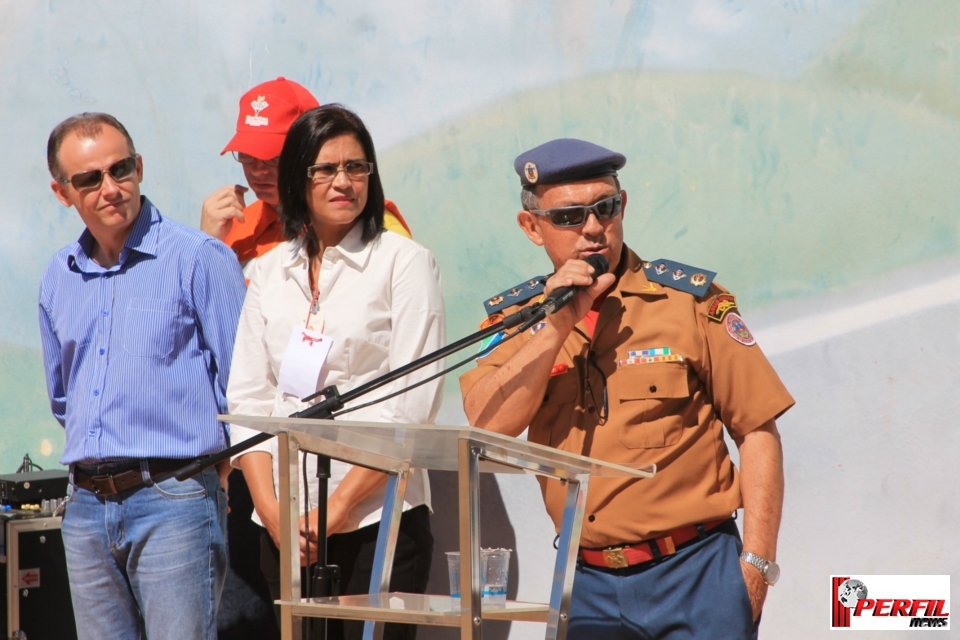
x=395, y=449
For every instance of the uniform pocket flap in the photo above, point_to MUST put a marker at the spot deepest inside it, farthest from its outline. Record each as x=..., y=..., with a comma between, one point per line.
x=647, y=381
x=562, y=388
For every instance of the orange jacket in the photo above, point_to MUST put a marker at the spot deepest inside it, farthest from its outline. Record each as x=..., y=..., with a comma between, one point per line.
x=261, y=229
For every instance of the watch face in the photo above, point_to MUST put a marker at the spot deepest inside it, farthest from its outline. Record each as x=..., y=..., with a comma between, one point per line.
x=772, y=573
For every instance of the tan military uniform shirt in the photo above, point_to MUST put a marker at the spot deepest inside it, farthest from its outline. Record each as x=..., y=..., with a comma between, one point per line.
x=669, y=412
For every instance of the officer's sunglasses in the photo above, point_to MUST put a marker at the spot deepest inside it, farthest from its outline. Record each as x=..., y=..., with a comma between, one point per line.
x=603, y=408
x=119, y=170
x=577, y=215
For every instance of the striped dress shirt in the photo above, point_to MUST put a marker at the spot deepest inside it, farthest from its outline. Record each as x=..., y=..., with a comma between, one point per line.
x=137, y=356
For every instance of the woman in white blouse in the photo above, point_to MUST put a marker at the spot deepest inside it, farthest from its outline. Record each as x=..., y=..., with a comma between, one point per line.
x=377, y=296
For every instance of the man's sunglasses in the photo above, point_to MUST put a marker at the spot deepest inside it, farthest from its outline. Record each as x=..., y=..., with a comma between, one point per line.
x=119, y=170
x=577, y=215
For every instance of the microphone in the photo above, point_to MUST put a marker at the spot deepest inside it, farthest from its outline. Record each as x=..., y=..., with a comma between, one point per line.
x=559, y=297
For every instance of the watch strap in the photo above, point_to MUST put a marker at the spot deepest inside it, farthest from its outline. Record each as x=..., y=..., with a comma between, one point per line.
x=761, y=564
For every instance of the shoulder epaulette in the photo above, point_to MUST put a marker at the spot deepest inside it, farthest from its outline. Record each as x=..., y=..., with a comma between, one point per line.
x=679, y=276
x=517, y=294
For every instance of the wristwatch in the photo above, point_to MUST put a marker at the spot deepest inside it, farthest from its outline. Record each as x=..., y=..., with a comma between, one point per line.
x=769, y=569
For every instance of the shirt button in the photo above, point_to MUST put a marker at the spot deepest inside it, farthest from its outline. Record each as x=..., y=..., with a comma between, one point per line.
x=105, y=312
x=96, y=392
x=653, y=388
x=91, y=433
x=102, y=351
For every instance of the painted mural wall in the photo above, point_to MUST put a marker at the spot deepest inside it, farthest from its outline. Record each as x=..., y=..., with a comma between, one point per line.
x=806, y=150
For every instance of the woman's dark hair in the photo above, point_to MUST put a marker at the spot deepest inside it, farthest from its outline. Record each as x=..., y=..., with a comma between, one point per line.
x=310, y=132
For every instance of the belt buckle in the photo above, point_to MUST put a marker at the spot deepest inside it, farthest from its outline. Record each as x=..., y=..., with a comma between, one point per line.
x=101, y=490
x=615, y=558
x=671, y=547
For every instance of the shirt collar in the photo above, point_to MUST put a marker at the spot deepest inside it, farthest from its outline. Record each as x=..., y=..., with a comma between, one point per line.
x=633, y=280
x=352, y=248
x=143, y=238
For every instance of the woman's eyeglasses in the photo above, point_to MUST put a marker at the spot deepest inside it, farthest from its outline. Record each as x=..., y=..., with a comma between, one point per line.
x=577, y=215
x=327, y=171
x=119, y=170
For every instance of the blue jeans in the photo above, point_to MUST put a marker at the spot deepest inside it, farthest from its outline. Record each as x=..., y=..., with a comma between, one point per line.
x=147, y=562
x=698, y=592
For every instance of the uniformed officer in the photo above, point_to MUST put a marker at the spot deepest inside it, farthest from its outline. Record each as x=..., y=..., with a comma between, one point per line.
x=646, y=364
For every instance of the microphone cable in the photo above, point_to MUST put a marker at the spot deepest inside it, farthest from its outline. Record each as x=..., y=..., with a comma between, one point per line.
x=483, y=353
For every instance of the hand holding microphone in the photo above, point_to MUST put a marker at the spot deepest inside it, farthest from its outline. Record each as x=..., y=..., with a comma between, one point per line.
x=575, y=276
x=560, y=296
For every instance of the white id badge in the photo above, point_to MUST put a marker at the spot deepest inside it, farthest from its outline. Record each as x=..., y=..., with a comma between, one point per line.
x=304, y=358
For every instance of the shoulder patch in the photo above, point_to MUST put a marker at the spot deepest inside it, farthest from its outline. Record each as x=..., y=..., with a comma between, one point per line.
x=737, y=329
x=517, y=294
x=679, y=276
x=489, y=344
x=491, y=320
x=721, y=305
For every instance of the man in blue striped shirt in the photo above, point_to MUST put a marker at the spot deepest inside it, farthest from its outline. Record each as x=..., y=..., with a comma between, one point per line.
x=137, y=321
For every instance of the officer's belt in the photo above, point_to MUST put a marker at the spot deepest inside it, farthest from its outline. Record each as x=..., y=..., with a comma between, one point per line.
x=654, y=549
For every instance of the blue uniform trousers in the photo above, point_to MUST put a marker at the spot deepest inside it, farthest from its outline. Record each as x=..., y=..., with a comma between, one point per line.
x=698, y=592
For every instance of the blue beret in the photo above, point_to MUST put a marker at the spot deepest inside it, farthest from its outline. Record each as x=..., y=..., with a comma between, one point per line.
x=566, y=160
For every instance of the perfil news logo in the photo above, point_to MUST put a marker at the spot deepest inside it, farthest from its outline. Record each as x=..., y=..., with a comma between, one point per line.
x=887, y=603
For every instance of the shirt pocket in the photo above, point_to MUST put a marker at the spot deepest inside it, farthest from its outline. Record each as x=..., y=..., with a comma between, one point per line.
x=651, y=400
x=553, y=420
x=150, y=327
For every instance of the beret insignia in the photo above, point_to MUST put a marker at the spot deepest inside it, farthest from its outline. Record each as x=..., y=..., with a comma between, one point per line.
x=530, y=169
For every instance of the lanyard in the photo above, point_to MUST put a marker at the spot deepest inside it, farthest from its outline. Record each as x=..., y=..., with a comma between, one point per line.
x=315, y=301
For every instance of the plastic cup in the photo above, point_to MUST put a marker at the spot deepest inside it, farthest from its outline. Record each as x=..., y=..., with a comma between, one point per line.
x=494, y=573
x=453, y=570
x=497, y=563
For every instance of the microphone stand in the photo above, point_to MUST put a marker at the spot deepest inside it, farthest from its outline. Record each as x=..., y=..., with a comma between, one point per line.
x=325, y=579
x=334, y=401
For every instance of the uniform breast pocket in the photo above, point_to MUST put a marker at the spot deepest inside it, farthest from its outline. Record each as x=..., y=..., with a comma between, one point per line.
x=150, y=327
x=552, y=421
x=651, y=400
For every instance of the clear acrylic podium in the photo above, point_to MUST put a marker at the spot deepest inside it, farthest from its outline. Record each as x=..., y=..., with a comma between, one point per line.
x=395, y=449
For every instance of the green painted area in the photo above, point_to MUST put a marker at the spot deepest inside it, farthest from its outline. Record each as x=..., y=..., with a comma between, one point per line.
x=27, y=424
x=785, y=188
x=903, y=49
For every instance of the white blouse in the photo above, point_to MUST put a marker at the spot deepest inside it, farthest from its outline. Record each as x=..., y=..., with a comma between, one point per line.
x=381, y=304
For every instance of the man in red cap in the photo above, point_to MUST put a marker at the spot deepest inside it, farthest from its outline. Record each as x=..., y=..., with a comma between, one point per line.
x=266, y=113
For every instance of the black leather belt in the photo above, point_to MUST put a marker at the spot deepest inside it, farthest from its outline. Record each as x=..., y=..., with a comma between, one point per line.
x=111, y=478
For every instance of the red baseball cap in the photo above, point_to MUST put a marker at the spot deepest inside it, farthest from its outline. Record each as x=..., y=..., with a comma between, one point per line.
x=266, y=113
